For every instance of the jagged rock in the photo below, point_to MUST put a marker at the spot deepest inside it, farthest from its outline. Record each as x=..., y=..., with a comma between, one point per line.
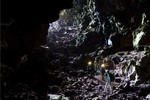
x=141, y=34
x=19, y=91
x=124, y=9
x=27, y=32
x=70, y=92
x=143, y=90
x=24, y=30
x=54, y=89
x=148, y=96
x=143, y=70
x=147, y=50
x=101, y=29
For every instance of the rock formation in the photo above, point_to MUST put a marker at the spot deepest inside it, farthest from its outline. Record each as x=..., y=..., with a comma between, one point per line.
x=46, y=47
x=24, y=26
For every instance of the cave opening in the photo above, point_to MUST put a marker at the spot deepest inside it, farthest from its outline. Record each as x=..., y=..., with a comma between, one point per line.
x=83, y=39
x=96, y=50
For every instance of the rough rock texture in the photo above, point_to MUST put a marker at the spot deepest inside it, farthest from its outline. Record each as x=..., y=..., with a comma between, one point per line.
x=28, y=23
x=143, y=70
x=124, y=10
x=131, y=18
x=99, y=29
x=114, y=30
x=110, y=30
x=24, y=26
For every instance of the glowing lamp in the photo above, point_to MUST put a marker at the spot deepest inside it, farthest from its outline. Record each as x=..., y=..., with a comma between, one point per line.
x=89, y=63
x=102, y=65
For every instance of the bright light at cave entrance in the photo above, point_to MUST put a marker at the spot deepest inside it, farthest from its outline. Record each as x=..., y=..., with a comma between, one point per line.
x=89, y=63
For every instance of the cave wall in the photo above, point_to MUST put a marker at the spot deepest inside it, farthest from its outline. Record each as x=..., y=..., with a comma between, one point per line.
x=124, y=10
x=24, y=27
x=25, y=23
x=130, y=16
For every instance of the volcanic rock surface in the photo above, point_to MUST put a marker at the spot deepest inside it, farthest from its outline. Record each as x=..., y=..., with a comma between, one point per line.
x=46, y=47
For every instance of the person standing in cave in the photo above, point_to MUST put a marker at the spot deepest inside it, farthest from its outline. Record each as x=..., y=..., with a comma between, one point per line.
x=109, y=77
x=102, y=72
x=106, y=73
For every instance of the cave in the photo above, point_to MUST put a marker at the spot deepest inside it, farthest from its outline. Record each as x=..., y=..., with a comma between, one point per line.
x=55, y=50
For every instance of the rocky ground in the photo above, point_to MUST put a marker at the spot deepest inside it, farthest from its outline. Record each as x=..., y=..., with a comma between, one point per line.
x=79, y=84
x=83, y=86
x=116, y=30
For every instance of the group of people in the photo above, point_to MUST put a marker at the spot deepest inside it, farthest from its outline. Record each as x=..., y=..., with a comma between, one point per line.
x=107, y=76
x=105, y=67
